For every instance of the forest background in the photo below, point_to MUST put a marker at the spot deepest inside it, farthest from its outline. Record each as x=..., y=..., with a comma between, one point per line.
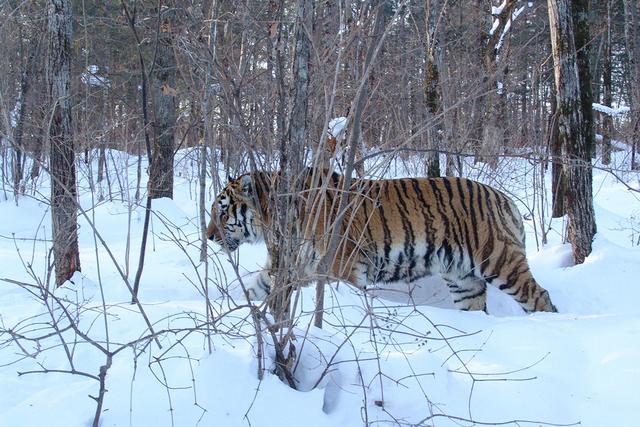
x=461, y=88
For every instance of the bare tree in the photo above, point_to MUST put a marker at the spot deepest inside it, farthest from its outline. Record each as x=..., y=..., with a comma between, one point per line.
x=495, y=68
x=64, y=214
x=607, y=119
x=572, y=131
x=25, y=86
x=580, y=15
x=164, y=102
x=631, y=31
x=287, y=258
x=380, y=13
x=434, y=10
x=557, y=173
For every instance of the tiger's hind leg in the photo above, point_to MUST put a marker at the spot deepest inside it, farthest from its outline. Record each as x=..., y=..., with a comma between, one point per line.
x=520, y=284
x=468, y=293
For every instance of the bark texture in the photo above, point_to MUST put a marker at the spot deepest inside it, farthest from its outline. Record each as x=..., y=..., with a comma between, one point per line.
x=572, y=131
x=283, y=239
x=607, y=95
x=580, y=15
x=557, y=173
x=432, y=84
x=64, y=212
x=164, y=100
x=25, y=86
x=632, y=35
x=493, y=132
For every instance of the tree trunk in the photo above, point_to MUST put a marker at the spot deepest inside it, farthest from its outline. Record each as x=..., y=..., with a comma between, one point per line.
x=164, y=97
x=432, y=85
x=25, y=86
x=102, y=162
x=495, y=70
x=208, y=134
x=557, y=175
x=66, y=256
x=479, y=101
x=607, y=99
x=356, y=109
x=277, y=58
x=572, y=131
x=297, y=131
x=580, y=15
x=632, y=33
x=284, y=246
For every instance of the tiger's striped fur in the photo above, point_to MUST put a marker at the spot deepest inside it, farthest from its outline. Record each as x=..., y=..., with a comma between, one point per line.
x=396, y=230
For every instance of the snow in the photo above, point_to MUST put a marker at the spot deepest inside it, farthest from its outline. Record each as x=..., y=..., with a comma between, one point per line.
x=389, y=357
x=517, y=12
x=494, y=27
x=337, y=126
x=614, y=112
x=13, y=116
x=497, y=10
x=507, y=26
x=92, y=77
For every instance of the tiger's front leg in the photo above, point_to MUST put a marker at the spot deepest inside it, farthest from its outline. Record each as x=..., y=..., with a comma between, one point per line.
x=260, y=288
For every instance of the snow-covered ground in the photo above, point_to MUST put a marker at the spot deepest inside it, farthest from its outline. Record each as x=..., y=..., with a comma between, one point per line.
x=384, y=359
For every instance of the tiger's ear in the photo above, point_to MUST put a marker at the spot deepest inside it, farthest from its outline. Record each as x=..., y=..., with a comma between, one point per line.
x=246, y=183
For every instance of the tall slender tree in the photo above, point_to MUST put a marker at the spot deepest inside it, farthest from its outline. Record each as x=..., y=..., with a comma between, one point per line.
x=632, y=33
x=292, y=160
x=287, y=259
x=66, y=255
x=164, y=102
x=580, y=16
x=607, y=95
x=495, y=68
x=434, y=10
x=572, y=131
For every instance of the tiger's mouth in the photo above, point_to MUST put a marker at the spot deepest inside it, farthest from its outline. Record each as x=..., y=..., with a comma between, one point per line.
x=229, y=244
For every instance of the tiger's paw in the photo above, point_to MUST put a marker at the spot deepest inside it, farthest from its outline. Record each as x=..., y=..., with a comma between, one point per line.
x=260, y=288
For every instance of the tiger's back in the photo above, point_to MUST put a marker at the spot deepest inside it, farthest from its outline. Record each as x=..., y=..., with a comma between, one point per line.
x=468, y=232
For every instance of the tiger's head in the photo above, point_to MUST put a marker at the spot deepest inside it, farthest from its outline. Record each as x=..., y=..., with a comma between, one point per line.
x=234, y=218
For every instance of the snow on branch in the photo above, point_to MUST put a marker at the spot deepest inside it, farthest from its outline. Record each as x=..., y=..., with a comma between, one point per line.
x=613, y=112
x=92, y=78
x=497, y=10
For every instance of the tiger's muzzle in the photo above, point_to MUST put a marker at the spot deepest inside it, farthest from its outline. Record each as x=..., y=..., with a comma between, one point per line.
x=216, y=234
x=228, y=244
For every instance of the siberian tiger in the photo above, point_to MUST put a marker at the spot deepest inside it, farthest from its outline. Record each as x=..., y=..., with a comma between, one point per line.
x=395, y=230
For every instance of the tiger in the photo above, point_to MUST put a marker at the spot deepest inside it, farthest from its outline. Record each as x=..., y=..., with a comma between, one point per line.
x=393, y=230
